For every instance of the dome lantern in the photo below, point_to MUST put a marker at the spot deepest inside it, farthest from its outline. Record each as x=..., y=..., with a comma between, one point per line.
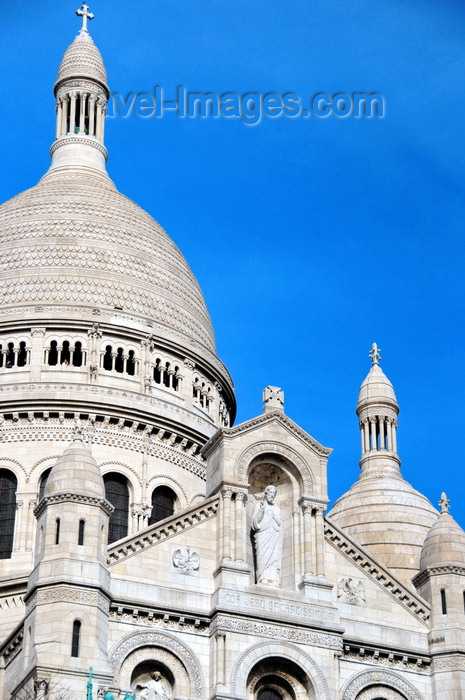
x=81, y=93
x=377, y=409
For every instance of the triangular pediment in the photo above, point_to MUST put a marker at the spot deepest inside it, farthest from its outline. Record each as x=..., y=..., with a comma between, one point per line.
x=280, y=421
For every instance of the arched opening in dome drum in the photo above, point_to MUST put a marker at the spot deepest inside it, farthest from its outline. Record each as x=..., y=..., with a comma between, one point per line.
x=65, y=353
x=163, y=500
x=8, y=487
x=117, y=493
x=108, y=359
x=77, y=354
x=53, y=353
x=119, y=361
x=10, y=355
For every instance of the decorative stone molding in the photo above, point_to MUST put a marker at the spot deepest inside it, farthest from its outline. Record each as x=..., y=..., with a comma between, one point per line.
x=158, y=618
x=375, y=693
x=290, y=634
x=166, y=644
x=385, y=657
x=449, y=663
x=13, y=647
x=68, y=594
x=258, y=652
x=442, y=569
x=179, y=522
x=74, y=498
x=386, y=679
x=266, y=418
x=81, y=139
x=418, y=607
x=293, y=461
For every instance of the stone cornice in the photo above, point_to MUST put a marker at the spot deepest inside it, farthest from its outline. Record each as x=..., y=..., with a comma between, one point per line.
x=167, y=528
x=441, y=569
x=67, y=497
x=259, y=421
x=410, y=601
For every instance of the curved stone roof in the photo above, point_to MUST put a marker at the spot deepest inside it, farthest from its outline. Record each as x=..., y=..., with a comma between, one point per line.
x=82, y=59
x=376, y=387
x=73, y=239
x=76, y=472
x=385, y=514
x=444, y=543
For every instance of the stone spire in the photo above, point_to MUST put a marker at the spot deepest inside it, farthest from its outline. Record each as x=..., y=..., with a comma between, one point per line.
x=81, y=93
x=377, y=410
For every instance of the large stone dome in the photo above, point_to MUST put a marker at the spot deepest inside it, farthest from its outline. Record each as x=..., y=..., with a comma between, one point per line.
x=389, y=517
x=76, y=240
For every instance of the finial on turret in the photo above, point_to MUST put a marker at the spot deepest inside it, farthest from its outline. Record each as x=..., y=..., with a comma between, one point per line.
x=444, y=503
x=85, y=14
x=375, y=354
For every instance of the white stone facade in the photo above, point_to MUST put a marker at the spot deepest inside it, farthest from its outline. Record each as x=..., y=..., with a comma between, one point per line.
x=116, y=422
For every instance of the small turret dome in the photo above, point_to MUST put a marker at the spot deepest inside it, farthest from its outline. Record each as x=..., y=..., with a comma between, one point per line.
x=82, y=59
x=376, y=387
x=76, y=472
x=445, y=541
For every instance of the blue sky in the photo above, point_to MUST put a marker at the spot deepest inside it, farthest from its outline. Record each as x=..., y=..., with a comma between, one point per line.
x=310, y=238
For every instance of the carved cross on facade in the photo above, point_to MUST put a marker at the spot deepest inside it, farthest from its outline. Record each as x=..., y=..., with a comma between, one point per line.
x=85, y=14
x=375, y=354
x=444, y=503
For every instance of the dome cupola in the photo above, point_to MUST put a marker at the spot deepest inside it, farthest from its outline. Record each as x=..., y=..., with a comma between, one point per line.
x=445, y=542
x=382, y=511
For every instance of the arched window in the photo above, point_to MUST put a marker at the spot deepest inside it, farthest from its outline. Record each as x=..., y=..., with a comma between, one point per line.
x=65, y=354
x=82, y=524
x=77, y=354
x=57, y=531
x=53, y=353
x=8, y=486
x=22, y=355
x=76, y=638
x=108, y=358
x=119, y=361
x=131, y=365
x=10, y=356
x=163, y=499
x=117, y=492
x=43, y=483
x=157, y=372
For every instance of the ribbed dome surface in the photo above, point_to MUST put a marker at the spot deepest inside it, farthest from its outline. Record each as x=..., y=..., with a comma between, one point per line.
x=389, y=517
x=76, y=472
x=75, y=240
x=376, y=387
x=444, y=543
x=82, y=59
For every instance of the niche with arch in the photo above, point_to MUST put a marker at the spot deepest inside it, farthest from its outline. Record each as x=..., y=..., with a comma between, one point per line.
x=266, y=470
x=151, y=680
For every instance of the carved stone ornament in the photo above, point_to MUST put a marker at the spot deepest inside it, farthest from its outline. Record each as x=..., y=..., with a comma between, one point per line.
x=350, y=592
x=185, y=561
x=383, y=681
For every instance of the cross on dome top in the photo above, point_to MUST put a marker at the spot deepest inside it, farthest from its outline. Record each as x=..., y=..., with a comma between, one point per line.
x=85, y=14
x=375, y=354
